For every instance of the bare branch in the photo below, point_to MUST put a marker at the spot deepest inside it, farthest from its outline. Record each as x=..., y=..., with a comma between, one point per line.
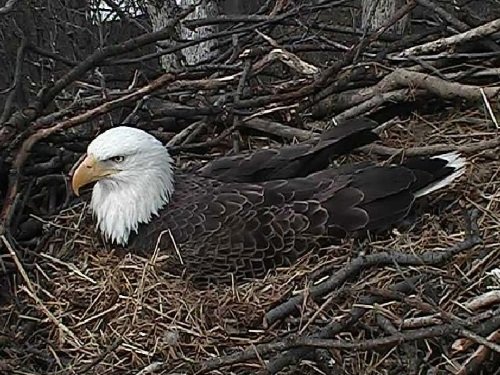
x=8, y=7
x=467, y=36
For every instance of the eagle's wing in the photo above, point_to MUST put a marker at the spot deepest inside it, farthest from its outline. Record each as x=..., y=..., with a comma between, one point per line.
x=226, y=230
x=295, y=160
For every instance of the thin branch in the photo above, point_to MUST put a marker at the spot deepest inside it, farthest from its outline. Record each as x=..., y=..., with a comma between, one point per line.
x=467, y=36
x=431, y=257
x=469, y=148
x=114, y=50
x=392, y=340
x=452, y=20
x=18, y=82
x=8, y=7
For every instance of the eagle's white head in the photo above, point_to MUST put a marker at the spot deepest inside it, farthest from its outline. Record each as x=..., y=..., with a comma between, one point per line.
x=134, y=180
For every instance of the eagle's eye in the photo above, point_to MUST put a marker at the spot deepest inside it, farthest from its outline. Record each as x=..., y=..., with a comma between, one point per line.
x=117, y=159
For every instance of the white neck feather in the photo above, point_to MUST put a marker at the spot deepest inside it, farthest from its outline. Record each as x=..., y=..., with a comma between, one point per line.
x=132, y=196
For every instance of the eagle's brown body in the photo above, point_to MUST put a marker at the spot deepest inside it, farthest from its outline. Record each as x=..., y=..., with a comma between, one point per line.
x=233, y=220
x=242, y=230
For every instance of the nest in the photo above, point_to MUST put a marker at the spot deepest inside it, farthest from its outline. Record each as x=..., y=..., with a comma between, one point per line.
x=83, y=308
x=422, y=298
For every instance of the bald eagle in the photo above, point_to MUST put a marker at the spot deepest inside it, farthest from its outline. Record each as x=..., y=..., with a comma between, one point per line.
x=241, y=216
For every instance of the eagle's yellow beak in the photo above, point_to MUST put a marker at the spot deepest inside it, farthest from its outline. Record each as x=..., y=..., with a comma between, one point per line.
x=88, y=171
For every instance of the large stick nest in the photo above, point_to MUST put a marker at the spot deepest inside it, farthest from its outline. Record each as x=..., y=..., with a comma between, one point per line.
x=421, y=298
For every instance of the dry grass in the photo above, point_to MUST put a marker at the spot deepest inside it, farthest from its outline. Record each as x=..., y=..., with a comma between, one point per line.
x=117, y=313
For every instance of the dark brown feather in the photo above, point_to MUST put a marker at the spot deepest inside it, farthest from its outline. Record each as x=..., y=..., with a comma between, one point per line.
x=242, y=216
x=298, y=160
x=228, y=231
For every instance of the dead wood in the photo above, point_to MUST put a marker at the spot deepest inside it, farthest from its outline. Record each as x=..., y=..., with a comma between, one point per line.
x=450, y=18
x=467, y=36
x=380, y=259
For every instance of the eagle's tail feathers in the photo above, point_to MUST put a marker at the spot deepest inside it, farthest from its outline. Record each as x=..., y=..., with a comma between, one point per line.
x=436, y=172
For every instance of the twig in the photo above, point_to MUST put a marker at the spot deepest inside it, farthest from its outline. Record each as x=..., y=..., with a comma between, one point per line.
x=247, y=66
x=336, y=326
x=428, y=258
x=30, y=290
x=17, y=84
x=275, y=128
x=435, y=85
x=101, y=356
x=480, y=340
x=483, y=300
x=264, y=349
x=181, y=46
x=152, y=368
x=450, y=18
x=203, y=145
x=118, y=49
x=467, y=36
x=433, y=149
x=123, y=15
x=407, y=349
x=377, y=100
x=415, y=84
x=8, y=7
x=489, y=109
x=51, y=55
x=131, y=117
x=176, y=139
x=474, y=362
